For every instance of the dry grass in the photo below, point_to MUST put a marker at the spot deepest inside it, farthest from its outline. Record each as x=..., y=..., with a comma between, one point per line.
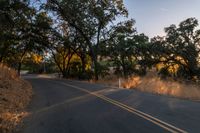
x=15, y=95
x=7, y=73
x=153, y=84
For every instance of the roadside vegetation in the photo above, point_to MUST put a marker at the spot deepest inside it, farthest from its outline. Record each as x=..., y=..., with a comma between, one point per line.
x=152, y=83
x=15, y=95
x=83, y=40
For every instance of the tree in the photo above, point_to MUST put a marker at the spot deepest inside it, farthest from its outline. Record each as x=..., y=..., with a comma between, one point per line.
x=178, y=53
x=142, y=53
x=26, y=31
x=9, y=14
x=66, y=45
x=33, y=35
x=90, y=18
x=120, y=48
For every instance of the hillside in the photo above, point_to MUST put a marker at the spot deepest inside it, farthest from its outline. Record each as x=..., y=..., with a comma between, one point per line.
x=15, y=95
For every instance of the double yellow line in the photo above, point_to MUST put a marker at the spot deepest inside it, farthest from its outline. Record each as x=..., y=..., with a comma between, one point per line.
x=146, y=116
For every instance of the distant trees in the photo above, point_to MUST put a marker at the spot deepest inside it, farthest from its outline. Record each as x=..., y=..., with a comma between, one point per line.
x=25, y=31
x=177, y=54
x=82, y=40
x=122, y=48
x=90, y=18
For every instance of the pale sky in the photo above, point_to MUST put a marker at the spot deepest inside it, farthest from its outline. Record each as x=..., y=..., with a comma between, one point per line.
x=153, y=15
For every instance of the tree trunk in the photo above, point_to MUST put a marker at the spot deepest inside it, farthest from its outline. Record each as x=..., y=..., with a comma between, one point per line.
x=94, y=55
x=96, y=69
x=20, y=62
x=124, y=68
x=1, y=58
x=64, y=74
x=83, y=63
x=94, y=59
x=19, y=68
x=4, y=52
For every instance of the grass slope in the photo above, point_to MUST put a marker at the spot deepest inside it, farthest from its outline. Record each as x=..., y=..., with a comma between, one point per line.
x=15, y=95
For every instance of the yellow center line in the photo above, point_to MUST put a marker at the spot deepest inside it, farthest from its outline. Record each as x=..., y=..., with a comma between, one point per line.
x=148, y=117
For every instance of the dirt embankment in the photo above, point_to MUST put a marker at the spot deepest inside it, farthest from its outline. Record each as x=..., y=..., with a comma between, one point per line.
x=15, y=94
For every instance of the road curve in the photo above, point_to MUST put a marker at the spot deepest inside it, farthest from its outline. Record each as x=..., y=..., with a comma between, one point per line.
x=63, y=106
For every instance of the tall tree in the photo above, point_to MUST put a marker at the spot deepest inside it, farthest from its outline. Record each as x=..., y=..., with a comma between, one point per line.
x=10, y=13
x=179, y=51
x=120, y=47
x=26, y=31
x=90, y=18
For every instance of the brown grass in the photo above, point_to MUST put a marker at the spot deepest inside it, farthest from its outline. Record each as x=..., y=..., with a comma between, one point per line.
x=15, y=95
x=153, y=84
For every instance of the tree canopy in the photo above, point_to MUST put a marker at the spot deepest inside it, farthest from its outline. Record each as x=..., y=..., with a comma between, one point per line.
x=82, y=39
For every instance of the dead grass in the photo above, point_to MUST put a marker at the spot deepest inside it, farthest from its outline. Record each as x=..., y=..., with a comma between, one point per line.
x=15, y=95
x=153, y=84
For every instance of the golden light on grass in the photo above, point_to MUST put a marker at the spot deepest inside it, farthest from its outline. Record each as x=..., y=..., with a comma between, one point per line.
x=133, y=81
x=10, y=121
x=7, y=73
x=153, y=84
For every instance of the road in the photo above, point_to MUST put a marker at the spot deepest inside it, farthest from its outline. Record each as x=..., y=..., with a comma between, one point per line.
x=64, y=106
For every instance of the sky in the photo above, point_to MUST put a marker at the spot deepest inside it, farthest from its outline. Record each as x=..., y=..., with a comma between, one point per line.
x=153, y=15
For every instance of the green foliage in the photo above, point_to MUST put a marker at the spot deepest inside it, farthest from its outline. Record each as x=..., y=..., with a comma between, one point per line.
x=83, y=42
x=124, y=48
x=25, y=31
x=103, y=70
x=90, y=19
x=178, y=51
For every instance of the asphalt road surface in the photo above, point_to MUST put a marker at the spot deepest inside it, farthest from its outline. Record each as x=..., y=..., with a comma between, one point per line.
x=64, y=106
